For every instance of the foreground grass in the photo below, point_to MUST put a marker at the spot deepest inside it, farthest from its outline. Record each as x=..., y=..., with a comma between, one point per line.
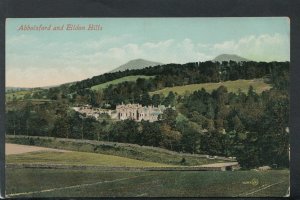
x=117, y=81
x=232, y=86
x=149, y=184
x=133, y=151
x=79, y=159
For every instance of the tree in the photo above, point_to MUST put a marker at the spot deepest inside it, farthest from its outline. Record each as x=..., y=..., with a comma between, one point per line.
x=61, y=128
x=273, y=125
x=150, y=134
x=198, y=118
x=221, y=95
x=191, y=140
x=170, y=100
x=237, y=124
x=171, y=137
x=145, y=100
x=156, y=100
x=169, y=117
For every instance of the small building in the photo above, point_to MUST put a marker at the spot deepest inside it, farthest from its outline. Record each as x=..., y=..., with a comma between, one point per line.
x=228, y=166
x=264, y=168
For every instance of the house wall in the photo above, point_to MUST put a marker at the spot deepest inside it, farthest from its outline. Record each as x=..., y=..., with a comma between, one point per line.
x=137, y=112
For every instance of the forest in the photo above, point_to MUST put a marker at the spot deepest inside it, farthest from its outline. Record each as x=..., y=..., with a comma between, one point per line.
x=251, y=126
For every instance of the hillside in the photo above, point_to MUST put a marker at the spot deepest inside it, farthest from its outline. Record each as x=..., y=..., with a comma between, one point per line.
x=204, y=118
x=119, y=80
x=148, y=154
x=232, y=86
x=74, y=158
x=136, y=64
x=228, y=57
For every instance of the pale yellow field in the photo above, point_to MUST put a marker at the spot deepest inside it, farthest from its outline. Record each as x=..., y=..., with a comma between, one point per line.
x=232, y=86
x=12, y=149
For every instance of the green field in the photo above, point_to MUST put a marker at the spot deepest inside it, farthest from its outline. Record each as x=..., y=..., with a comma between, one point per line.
x=232, y=86
x=79, y=159
x=92, y=183
x=120, y=80
x=111, y=182
x=133, y=151
x=9, y=96
x=19, y=95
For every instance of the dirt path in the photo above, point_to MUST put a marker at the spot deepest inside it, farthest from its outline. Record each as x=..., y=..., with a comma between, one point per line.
x=11, y=149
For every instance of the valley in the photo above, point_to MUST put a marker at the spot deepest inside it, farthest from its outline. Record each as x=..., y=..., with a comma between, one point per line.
x=180, y=129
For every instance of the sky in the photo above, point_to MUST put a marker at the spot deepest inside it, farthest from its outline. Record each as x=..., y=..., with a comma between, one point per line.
x=38, y=58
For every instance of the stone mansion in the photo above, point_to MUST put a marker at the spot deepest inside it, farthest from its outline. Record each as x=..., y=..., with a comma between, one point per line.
x=136, y=112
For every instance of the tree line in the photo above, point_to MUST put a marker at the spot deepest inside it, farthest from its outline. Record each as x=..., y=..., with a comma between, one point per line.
x=248, y=126
x=164, y=76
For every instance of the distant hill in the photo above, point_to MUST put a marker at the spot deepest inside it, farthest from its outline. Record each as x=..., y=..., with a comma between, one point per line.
x=53, y=86
x=228, y=57
x=136, y=64
x=16, y=89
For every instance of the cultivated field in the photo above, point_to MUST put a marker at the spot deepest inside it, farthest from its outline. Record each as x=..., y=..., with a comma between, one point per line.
x=93, y=183
x=120, y=80
x=232, y=86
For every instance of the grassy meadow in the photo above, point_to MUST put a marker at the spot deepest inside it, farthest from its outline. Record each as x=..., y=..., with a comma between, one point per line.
x=93, y=183
x=232, y=86
x=78, y=159
x=133, y=151
x=9, y=96
x=88, y=182
x=120, y=80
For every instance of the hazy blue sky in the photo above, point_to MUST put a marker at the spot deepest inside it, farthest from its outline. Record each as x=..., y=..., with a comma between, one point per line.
x=41, y=58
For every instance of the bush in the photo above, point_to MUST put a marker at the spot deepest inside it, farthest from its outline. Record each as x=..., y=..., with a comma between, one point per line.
x=183, y=161
x=31, y=141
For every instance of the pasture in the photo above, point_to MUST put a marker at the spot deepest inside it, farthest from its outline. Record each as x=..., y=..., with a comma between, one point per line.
x=16, y=94
x=79, y=159
x=133, y=151
x=232, y=86
x=120, y=80
x=107, y=181
x=29, y=182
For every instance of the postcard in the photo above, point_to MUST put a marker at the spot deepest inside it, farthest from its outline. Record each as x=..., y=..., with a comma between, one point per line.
x=147, y=107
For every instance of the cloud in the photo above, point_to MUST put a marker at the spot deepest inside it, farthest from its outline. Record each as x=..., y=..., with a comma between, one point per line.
x=263, y=47
x=160, y=44
x=34, y=62
x=21, y=39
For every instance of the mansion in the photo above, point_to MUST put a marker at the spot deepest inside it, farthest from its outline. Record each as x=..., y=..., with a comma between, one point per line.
x=136, y=112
